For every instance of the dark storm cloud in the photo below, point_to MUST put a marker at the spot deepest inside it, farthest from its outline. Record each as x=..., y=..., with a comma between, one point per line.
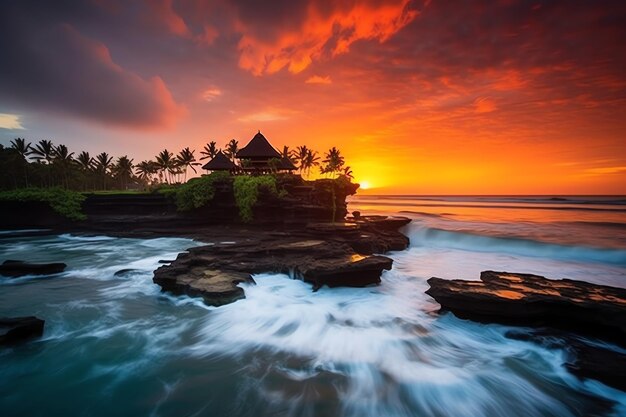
x=49, y=65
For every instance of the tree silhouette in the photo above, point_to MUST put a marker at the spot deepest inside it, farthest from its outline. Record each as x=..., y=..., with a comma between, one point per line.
x=62, y=161
x=24, y=149
x=231, y=149
x=145, y=170
x=311, y=159
x=165, y=162
x=43, y=151
x=103, y=166
x=333, y=162
x=210, y=150
x=187, y=159
x=123, y=170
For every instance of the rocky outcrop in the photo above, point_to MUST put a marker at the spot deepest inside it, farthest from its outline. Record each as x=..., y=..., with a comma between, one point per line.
x=562, y=309
x=21, y=268
x=322, y=254
x=526, y=299
x=583, y=357
x=19, y=329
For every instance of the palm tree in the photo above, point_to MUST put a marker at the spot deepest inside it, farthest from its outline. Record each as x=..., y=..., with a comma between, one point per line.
x=20, y=145
x=347, y=172
x=289, y=154
x=301, y=153
x=334, y=162
x=166, y=164
x=231, y=149
x=210, y=150
x=24, y=149
x=85, y=163
x=44, y=150
x=187, y=159
x=63, y=160
x=311, y=159
x=103, y=165
x=123, y=170
x=145, y=170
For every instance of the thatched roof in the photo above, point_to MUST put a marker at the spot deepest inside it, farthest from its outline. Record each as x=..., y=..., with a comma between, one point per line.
x=258, y=147
x=285, y=163
x=219, y=163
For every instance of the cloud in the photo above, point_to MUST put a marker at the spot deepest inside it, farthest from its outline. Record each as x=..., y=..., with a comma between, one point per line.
x=605, y=170
x=268, y=115
x=10, y=121
x=162, y=12
x=55, y=68
x=296, y=33
x=211, y=93
x=317, y=79
x=484, y=105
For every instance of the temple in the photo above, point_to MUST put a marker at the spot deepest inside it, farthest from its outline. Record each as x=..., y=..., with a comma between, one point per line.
x=257, y=157
x=220, y=163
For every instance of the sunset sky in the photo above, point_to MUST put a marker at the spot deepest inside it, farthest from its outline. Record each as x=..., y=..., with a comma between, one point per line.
x=422, y=97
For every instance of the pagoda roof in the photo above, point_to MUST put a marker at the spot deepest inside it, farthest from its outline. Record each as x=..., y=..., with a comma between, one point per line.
x=285, y=163
x=219, y=163
x=258, y=147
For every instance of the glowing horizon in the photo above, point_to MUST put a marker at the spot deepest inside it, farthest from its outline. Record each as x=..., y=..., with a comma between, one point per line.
x=422, y=97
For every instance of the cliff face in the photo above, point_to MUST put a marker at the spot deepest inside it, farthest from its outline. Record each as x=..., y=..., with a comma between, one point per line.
x=297, y=202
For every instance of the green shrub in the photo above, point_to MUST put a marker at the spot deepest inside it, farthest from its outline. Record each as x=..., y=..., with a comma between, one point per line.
x=64, y=202
x=196, y=192
x=246, y=190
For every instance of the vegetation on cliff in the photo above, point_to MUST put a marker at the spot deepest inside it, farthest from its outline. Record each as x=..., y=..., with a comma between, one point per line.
x=246, y=190
x=197, y=192
x=64, y=202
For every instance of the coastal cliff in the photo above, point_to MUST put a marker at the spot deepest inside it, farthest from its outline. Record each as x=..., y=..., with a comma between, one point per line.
x=208, y=200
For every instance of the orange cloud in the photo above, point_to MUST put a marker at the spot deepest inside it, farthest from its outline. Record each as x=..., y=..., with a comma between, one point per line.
x=317, y=79
x=320, y=33
x=163, y=12
x=484, y=105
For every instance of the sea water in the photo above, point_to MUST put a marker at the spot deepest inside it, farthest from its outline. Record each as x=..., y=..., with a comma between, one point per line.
x=117, y=345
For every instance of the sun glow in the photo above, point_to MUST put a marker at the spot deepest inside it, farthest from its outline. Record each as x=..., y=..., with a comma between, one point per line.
x=365, y=185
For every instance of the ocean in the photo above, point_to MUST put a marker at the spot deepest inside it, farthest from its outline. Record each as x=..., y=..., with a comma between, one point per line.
x=116, y=345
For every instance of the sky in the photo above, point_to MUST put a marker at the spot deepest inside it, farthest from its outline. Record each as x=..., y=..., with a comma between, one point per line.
x=421, y=97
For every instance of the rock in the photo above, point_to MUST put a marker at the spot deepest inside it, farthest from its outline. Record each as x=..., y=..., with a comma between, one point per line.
x=21, y=268
x=124, y=272
x=321, y=253
x=525, y=299
x=583, y=359
x=216, y=287
x=18, y=329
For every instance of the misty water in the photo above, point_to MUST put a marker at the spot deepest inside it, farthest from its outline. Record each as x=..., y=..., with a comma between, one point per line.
x=116, y=345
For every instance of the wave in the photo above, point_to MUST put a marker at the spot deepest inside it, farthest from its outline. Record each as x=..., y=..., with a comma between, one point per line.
x=422, y=236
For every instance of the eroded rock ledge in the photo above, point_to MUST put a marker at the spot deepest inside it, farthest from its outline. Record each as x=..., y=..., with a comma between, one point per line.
x=567, y=312
x=332, y=254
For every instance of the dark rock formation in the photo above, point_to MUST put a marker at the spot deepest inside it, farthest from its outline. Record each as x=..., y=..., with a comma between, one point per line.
x=18, y=329
x=526, y=299
x=21, y=268
x=322, y=254
x=563, y=308
x=584, y=358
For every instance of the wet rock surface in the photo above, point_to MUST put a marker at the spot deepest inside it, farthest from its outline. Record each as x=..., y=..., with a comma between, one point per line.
x=569, y=314
x=526, y=299
x=19, y=329
x=331, y=254
x=12, y=268
x=584, y=358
